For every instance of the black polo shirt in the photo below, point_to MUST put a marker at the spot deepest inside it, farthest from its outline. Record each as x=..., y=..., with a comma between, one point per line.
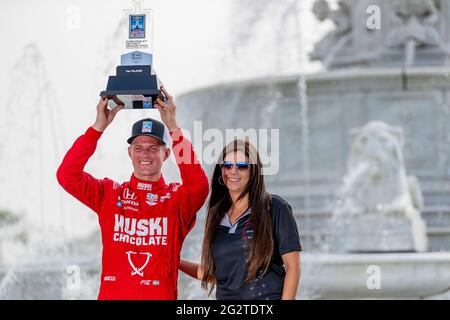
x=230, y=250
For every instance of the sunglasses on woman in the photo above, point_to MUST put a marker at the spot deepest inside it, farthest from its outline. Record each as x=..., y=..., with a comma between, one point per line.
x=240, y=165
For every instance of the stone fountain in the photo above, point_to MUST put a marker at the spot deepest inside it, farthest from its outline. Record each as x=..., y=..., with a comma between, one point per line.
x=363, y=145
x=364, y=160
x=377, y=237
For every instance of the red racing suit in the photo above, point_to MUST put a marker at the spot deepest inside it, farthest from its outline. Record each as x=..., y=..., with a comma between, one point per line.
x=143, y=224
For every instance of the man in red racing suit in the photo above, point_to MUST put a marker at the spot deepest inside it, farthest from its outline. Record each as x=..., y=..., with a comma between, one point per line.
x=143, y=221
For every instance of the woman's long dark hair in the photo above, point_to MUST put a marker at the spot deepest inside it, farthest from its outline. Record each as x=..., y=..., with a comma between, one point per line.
x=261, y=247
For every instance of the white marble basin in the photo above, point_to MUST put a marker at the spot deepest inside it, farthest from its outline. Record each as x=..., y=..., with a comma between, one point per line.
x=400, y=275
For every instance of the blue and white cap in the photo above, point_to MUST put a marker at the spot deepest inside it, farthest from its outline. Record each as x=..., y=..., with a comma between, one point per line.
x=149, y=127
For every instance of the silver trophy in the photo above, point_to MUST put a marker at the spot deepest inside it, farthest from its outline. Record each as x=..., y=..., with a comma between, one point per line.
x=135, y=85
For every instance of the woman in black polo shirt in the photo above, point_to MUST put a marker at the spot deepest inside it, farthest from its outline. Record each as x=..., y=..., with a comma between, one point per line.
x=251, y=247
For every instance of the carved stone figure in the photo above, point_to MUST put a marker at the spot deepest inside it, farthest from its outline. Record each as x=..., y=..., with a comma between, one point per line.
x=327, y=48
x=414, y=25
x=377, y=187
x=394, y=33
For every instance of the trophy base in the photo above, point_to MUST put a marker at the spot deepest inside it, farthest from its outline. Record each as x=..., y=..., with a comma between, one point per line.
x=134, y=87
x=130, y=101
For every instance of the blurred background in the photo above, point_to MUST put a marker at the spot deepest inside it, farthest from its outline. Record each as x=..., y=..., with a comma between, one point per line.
x=349, y=97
